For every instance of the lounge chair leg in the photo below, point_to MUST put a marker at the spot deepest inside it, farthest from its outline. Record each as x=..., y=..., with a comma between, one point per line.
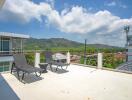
x=51, y=67
x=57, y=68
x=11, y=70
x=12, y=67
x=66, y=66
x=23, y=75
x=18, y=75
x=38, y=74
x=61, y=68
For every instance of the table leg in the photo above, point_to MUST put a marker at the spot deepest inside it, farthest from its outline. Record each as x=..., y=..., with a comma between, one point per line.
x=51, y=67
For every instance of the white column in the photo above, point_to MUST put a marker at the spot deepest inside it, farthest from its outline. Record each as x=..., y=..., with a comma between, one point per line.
x=68, y=57
x=100, y=61
x=37, y=59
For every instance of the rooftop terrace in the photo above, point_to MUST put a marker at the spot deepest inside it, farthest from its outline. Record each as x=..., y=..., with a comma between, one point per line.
x=78, y=83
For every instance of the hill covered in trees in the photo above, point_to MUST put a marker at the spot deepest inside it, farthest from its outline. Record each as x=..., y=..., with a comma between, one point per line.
x=62, y=44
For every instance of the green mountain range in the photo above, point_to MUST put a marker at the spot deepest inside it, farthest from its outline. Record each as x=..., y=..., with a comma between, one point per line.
x=43, y=44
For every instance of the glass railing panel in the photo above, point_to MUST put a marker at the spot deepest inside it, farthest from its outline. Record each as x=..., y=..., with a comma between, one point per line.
x=110, y=60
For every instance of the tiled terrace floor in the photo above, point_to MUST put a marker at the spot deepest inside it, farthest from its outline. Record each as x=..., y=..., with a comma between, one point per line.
x=79, y=83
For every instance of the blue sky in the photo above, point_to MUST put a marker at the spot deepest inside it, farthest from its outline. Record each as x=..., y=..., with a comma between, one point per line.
x=98, y=21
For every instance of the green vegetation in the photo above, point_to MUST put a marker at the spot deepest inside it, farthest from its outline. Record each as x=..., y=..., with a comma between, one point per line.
x=31, y=57
x=63, y=45
x=109, y=61
x=89, y=61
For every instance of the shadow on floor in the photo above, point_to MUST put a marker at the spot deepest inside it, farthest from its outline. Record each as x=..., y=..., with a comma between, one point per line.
x=6, y=92
x=29, y=78
x=59, y=71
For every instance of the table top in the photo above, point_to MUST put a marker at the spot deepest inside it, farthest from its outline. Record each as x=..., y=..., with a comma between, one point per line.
x=43, y=63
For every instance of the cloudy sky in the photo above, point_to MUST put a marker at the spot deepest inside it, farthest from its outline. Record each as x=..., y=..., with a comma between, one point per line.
x=98, y=21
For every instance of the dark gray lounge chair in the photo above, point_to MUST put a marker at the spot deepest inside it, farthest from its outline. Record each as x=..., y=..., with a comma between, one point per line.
x=60, y=64
x=20, y=64
x=50, y=61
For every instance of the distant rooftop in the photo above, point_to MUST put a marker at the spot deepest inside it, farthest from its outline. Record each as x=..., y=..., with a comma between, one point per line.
x=7, y=34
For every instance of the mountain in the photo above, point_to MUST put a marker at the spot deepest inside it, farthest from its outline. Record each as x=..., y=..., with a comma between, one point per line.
x=33, y=43
x=102, y=46
x=50, y=43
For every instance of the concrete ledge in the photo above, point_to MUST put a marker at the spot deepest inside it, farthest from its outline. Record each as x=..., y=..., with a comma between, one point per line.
x=84, y=65
x=103, y=68
x=115, y=70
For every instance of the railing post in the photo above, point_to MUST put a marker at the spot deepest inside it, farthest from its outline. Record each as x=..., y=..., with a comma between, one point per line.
x=100, y=61
x=37, y=59
x=68, y=58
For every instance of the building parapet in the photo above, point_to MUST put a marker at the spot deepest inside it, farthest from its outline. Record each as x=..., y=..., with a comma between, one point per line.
x=14, y=35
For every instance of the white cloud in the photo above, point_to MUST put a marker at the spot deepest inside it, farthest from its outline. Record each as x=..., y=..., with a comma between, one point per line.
x=79, y=20
x=24, y=10
x=51, y=2
x=113, y=3
x=123, y=6
x=75, y=20
x=116, y=3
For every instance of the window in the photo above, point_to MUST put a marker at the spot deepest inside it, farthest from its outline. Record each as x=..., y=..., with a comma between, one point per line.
x=4, y=45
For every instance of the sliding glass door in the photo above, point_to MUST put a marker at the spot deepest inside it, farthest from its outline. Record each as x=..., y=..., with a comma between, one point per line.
x=4, y=50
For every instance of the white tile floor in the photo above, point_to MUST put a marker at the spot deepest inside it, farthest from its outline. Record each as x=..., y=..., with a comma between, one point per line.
x=79, y=83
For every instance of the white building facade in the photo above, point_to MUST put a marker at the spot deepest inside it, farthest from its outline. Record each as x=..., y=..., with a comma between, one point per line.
x=9, y=43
